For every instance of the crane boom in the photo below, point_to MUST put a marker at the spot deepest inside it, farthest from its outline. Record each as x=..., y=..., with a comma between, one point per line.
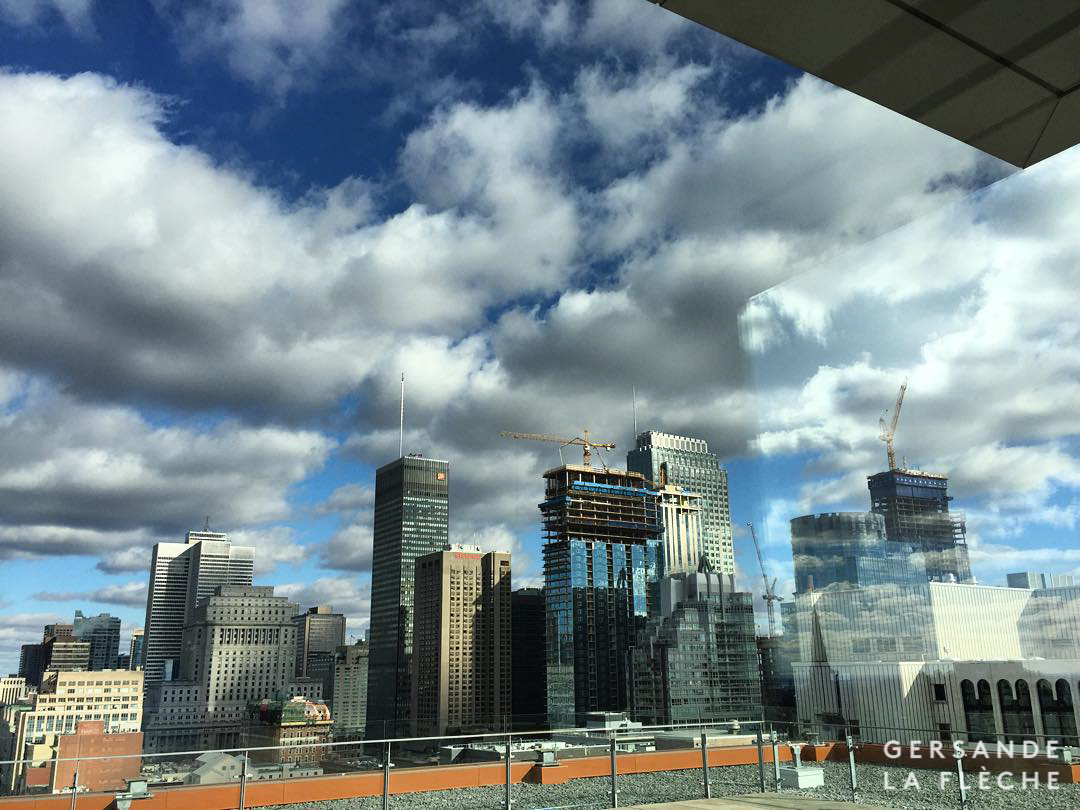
x=887, y=433
x=586, y=444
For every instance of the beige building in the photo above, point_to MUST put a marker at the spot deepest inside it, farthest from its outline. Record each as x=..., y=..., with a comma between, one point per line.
x=461, y=642
x=680, y=515
x=350, y=691
x=239, y=648
x=12, y=689
x=113, y=696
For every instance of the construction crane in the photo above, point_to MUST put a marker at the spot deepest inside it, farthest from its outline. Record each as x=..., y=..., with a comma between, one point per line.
x=887, y=433
x=587, y=445
x=770, y=590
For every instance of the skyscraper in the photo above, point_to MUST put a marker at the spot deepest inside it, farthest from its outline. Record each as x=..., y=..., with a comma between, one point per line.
x=697, y=659
x=182, y=576
x=461, y=642
x=135, y=660
x=320, y=632
x=528, y=689
x=680, y=519
x=349, y=707
x=103, y=633
x=666, y=459
x=915, y=506
x=602, y=562
x=411, y=520
x=841, y=550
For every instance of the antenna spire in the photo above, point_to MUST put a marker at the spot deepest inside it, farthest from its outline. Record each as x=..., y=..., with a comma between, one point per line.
x=401, y=429
x=634, y=394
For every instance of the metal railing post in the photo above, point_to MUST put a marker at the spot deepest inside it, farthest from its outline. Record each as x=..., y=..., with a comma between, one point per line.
x=705, y=763
x=760, y=761
x=386, y=778
x=509, y=772
x=243, y=778
x=960, y=777
x=851, y=768
x=775, y=741
x=614, y=774
x=75, y=787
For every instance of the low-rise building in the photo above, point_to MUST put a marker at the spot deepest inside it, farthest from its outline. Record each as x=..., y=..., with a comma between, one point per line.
x=106, y=761
x=13, y=689
x=295, y=731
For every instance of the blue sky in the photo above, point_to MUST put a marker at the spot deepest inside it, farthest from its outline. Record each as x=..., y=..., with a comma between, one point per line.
x=226, y=227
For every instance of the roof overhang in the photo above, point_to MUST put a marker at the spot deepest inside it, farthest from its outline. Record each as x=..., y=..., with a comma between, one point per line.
x=1000, y=75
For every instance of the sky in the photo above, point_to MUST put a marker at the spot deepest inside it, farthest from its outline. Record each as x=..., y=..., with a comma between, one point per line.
x=227, y=227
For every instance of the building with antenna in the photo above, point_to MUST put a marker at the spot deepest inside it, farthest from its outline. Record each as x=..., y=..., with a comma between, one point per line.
x=603, y=559
x=411, y=520
x=687, y=463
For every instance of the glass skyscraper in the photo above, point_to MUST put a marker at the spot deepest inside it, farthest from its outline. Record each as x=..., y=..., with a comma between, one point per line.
x=103, y=633
x=602, y=563
x=685, y=462
x=411, y=520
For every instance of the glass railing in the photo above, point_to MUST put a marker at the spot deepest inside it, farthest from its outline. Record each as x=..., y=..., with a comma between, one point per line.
x=589, y=767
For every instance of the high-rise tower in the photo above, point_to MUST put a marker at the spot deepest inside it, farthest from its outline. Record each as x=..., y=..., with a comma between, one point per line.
x=103, y=633
x=667, y=459
x=915, y=506
x=182, y=576
x=411, y=520
x=602, y=562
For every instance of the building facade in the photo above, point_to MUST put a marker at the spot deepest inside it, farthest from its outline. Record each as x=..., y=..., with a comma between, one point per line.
x=240, y=648
x=13, y=689
x=103, y=634
x=680, y=521
x=603, y=559
x=349, y=706
x=181, y=576
x=294, y=731
x=411, y=520
x=1035, y=579
x=461, y=642
x=113, y=697
x=320, y=632
x=664, y=458
x=528, y=641
x=843, y=550
x=915, y=506
x=135, y=650
x=697, y=659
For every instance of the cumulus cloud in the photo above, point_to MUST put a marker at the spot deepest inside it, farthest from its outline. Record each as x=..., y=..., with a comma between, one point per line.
x=75, y=14
x=344, y=594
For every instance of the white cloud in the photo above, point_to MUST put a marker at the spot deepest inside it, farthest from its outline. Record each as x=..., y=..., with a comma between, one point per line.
x=76, y=14
x=130, y=594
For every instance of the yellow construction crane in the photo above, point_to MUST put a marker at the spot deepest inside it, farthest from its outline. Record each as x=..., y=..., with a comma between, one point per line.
x=887, y=433
x=587, y=445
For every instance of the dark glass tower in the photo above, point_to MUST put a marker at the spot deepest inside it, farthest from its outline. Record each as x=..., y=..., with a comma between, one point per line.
x=103, y=633
x=411, y=520
x=915, y=506
x=528, y=670
x=602, y=563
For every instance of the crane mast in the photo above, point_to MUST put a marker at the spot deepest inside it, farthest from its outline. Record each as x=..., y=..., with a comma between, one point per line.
x=769, y=595
x=887, y=432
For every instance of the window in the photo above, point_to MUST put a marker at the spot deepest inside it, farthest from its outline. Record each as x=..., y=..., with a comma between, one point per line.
x=939, y=692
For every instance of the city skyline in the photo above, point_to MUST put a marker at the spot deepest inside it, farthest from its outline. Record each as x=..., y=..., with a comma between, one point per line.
x=216, y=324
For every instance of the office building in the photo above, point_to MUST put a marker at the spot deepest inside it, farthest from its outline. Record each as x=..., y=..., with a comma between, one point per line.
x=967, y=661
x=135, y=651
x=293, y=730
x=843, y=550
x=239, y=648
x=181, y=576
x=113, y=697
x=58, y=650
x=777, y=655
x=915, y=506
x=103, y=634
x=32, y=663
x=13, y=689
x=66, y=655
x=697, y=659
x=528, y=667
x=320, y=632
x=461, y=642
x=349, y=707
x=684, y=462
x=1034, y=579
x=602, y=563
x=680, y=522
x=411, y=520
x=60, y=631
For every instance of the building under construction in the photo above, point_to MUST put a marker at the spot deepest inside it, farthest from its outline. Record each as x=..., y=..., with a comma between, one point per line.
x=915, y=506
x=602, y=563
